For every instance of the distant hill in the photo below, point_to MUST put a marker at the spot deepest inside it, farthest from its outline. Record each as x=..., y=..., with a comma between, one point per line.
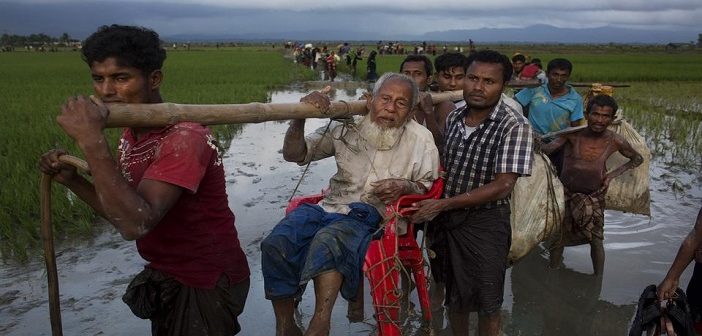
x=531, y=34
x=550, y=34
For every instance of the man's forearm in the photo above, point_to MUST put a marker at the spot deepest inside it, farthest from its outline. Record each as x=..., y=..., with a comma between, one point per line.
x=86, y=192
x=633, y=163
x=686, y=253
x=120, y=203
x=493, y=191
x=294, y=145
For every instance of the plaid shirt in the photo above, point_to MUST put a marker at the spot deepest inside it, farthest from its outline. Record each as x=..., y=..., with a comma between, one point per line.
x=502, y=143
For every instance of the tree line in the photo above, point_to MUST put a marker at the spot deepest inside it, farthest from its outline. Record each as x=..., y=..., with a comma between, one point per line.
x=33, y=39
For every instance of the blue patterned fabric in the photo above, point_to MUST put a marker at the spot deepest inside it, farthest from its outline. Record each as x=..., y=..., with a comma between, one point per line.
x=310, y=241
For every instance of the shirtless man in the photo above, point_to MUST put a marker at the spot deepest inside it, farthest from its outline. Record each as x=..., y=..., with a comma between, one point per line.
x=585, y=179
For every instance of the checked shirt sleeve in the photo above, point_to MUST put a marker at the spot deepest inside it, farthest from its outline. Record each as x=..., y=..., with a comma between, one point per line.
x=516, y=152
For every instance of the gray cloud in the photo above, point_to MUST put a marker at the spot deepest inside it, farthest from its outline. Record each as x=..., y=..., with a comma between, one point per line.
x=386, y=19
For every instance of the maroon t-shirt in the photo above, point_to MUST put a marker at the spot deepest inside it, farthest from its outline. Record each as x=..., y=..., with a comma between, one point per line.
x=196, y=241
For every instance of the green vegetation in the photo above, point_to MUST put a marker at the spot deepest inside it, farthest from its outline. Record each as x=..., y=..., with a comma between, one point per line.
x=663, y=103
x=33, y=87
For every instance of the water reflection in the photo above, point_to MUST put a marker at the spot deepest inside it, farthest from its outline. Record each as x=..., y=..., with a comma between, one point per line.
x=561, y=302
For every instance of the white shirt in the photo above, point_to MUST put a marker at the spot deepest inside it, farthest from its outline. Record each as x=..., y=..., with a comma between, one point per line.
x=413, y=157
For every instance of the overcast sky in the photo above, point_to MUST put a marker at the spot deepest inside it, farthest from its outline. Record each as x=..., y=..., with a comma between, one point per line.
x=384, y=17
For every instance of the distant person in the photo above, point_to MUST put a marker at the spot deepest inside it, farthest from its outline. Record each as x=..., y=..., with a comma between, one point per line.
x=585, y=179
x=371, y=72
x=488, y=146
x=331, y=66
x=166, y=191
x=690, y=250
x=533, y=71
x=518, y=62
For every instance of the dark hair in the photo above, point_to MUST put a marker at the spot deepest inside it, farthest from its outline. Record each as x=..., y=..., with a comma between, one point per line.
x=494, y=57
x=132, y=46
x=519, y=57
x=418, y=58
x=603, y=100
x=536, y=61
x=445, y=62
x=559, y=63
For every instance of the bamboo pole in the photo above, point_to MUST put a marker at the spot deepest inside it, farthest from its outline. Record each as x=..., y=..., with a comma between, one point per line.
x=158, y=115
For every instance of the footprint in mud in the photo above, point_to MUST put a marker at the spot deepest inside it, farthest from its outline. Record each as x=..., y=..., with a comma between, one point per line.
x=249, y=164
x=256, y=180
x=7, y=298
x=241, y=172
x=255, y=242
x=253, y=201
x=109, y=297
x=273, y=167
x=120, y=281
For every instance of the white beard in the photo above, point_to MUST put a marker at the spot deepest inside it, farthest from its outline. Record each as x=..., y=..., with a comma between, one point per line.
x=378, y=137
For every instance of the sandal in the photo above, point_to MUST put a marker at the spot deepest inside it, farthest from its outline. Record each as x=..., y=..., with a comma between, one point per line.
x=648, y=312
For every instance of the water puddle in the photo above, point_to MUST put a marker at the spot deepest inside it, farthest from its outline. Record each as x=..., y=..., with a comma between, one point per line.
x=94, y=273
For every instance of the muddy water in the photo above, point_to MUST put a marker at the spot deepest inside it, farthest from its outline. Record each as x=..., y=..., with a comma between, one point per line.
x=95, y=272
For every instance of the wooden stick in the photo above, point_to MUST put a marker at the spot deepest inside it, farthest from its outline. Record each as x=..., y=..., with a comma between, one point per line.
x=47, y=239
x=563, y=131
x=536, y=83
x=158, y=115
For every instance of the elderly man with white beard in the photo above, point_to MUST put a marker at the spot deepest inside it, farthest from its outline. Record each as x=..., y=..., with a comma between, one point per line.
x=380, y=156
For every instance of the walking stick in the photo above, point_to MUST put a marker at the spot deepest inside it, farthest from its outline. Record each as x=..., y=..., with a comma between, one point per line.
x=47, y=238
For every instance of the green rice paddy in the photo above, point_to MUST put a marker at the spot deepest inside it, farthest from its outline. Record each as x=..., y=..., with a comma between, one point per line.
x=663, y=103
x=33, y=87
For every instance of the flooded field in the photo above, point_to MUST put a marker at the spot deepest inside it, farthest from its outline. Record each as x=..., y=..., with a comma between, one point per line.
x=94, y=272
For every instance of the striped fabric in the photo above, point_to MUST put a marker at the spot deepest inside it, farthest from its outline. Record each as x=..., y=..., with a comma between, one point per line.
x=502, y=143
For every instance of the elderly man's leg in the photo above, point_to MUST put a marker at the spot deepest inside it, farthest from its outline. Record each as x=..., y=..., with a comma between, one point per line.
x=598, y=255
x=283, y=254
x=326, y=289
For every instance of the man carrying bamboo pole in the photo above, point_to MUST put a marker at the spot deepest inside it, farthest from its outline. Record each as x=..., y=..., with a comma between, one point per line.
x=380, y=157
x=585, y=179
x=488, y=146
x=166, y=191
x=419, y=68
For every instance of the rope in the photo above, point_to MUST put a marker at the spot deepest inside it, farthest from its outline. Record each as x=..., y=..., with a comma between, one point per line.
x=307, y=166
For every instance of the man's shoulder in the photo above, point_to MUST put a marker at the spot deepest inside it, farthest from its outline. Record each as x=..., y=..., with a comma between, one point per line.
x=573, y=93
x=418, y=132
x=511, y=114
x=186, y=126
x=188, y=130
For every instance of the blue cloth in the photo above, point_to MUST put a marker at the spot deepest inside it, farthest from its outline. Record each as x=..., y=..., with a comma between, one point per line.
x=310, y=241
x=547, y=114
